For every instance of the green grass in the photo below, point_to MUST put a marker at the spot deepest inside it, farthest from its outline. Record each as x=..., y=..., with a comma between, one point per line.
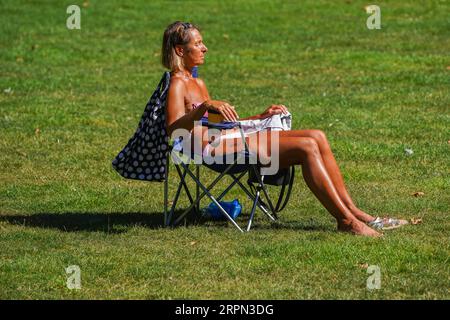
x=374, y=92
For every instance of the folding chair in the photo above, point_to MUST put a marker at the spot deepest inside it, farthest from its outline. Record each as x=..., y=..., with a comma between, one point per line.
x=236, y=170
x=147, y=154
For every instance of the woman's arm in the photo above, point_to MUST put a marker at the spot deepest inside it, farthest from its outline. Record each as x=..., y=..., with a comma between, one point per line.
x=222, y=107
x=256, y=117
x=176, y=118
x=270, y=111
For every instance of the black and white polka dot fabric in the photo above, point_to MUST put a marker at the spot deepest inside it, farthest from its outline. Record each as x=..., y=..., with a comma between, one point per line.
x=145, y=155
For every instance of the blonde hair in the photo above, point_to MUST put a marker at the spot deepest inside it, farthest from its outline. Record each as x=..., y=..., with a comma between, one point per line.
x=175, y=34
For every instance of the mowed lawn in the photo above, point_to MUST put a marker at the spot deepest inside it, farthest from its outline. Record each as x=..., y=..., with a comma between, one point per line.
x=71, y=99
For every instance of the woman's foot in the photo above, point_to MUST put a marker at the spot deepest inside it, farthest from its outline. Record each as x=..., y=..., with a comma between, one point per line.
x=358, y=228
x=377, y=223
x=361, y=215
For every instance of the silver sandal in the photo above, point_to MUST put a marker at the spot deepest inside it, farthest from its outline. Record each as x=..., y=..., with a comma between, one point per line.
x=386, y=223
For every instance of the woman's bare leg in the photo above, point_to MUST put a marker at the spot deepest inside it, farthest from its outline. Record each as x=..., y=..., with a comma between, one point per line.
x=305, y=151
x=332, y=169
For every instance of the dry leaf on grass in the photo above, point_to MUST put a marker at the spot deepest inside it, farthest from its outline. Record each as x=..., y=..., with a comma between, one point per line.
x=417, y=194
x=363, y=265
x=193, y=242
x=416, y=221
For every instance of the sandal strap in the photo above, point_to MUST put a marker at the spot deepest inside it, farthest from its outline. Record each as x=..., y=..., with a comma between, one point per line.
x=381, y=223
x=377, y=223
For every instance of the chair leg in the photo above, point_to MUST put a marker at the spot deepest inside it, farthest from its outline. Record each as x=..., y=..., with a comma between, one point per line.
x=204, y=193
x=197, y=188
x=266, y=194
x=166, y=193
x=183, y=182
x=221, y=208
x=177, y=195
x=261, y=184
x=252, y=214
x=207, y=193
x=252, y=198
x=235, y=181
x=255, y=199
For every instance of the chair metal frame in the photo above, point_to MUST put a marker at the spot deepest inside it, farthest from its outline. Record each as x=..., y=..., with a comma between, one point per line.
x=183, y=169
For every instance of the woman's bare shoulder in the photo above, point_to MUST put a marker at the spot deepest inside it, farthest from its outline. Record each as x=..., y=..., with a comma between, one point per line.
x=176, y=80
x=177, y=84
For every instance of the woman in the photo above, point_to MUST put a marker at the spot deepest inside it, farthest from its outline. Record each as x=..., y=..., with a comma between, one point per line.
x=188, y=100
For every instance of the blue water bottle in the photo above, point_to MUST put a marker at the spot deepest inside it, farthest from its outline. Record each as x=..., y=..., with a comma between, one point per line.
x=233, y=208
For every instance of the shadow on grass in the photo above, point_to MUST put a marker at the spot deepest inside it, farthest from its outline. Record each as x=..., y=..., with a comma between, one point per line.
x=298, y=225
x=78, y=221
x=121, y=222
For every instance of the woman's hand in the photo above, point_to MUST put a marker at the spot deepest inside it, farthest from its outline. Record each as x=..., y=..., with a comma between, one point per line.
x=274, y=109
x=222, y=107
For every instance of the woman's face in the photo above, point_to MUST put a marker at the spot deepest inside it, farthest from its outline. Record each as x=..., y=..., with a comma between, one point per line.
x=194, y=52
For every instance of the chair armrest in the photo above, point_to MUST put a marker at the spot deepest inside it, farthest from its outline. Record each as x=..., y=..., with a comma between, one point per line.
x=219, y=125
